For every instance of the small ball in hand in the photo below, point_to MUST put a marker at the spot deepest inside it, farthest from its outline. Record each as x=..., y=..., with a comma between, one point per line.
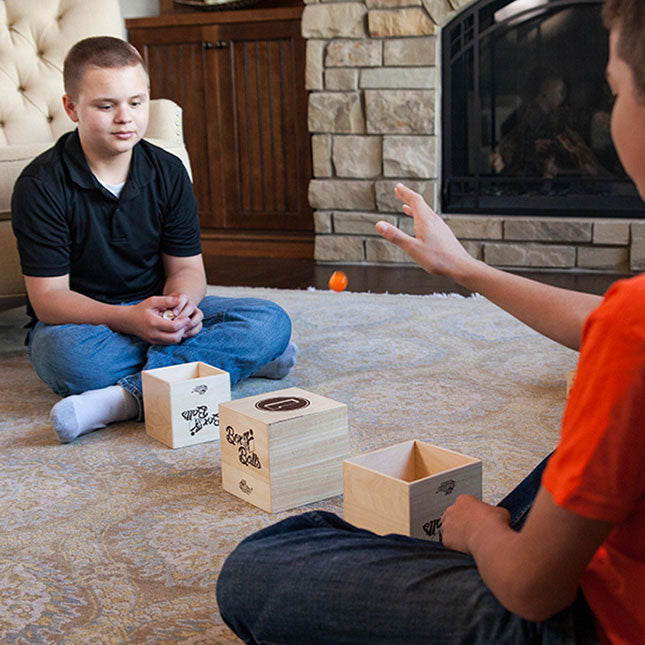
x=169, y=314
x=338, y=281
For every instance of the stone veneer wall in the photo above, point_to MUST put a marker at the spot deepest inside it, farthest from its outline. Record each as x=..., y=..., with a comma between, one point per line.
x=373, y=74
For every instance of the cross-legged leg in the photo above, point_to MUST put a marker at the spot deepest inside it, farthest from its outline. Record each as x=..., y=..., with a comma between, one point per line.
x=83, y=363
x=99, y=371
x=239, y=336
x=315, y=579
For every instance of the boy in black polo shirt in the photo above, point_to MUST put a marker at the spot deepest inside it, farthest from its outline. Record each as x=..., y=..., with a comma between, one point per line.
x=108, y=236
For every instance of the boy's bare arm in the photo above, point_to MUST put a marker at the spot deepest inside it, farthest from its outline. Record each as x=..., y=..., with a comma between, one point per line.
x=186, y=281
x=185, y=275
x=56, y=304
x=557, y=313
x=536, y=572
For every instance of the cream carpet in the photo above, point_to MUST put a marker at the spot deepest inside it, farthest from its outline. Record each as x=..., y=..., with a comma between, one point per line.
x=117, y=539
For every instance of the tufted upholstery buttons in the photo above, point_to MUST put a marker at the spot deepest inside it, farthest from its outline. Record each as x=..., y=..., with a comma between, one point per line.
x=35, y=36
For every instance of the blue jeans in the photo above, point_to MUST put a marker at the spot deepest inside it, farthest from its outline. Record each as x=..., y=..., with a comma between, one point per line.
x=314, y=578
x=239, y=335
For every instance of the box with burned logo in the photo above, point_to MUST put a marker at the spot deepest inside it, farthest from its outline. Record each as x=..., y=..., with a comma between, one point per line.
x=283, y=449
x=405, y=488
x=180, y=402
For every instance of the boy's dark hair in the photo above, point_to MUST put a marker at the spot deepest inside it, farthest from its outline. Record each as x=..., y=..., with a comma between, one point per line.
x=629, y=17
x=98, y=51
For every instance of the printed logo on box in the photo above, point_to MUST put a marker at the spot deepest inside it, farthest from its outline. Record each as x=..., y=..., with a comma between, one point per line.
x=433, y=529
x=199, y=418
x=446, y=487
x=282, y=403
x=246, y=446
x=245, y=488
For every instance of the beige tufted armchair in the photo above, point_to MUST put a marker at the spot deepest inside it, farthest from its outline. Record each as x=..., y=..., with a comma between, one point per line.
x=35, y=35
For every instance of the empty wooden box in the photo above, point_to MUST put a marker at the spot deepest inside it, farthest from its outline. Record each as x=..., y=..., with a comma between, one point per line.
x=284, y=448
x=180, y=402
x=405, y=488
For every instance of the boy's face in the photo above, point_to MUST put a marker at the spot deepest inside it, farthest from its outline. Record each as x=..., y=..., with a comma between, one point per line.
x=628, y=115
x=111, y=111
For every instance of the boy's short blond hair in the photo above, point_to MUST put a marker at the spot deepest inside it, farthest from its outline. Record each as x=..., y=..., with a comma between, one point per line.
x=629, y=17
x=98, y=51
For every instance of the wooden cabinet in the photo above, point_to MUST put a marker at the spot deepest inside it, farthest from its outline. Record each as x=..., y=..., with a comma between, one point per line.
x=239, y=77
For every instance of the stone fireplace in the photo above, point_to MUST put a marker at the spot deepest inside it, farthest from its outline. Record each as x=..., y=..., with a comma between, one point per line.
x=374, y=76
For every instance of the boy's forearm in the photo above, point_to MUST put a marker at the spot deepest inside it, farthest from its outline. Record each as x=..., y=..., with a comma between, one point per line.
x=535, y=572
x=63, y=306
x=502, y=563
x=557, y=313
x=189, y=281
x=500, y=552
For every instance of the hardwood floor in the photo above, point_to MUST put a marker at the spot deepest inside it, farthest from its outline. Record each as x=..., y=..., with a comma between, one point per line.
x=282, y=273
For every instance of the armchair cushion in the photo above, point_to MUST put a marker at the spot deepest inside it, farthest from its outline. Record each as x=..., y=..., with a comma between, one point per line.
x=165, y=129
x=35, y=36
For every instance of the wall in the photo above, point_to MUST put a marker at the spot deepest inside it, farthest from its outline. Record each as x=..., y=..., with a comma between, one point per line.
x=139, y=8
x=373, y=72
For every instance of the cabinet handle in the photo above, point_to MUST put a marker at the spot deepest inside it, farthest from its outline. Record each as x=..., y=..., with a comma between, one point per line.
x=218, y=44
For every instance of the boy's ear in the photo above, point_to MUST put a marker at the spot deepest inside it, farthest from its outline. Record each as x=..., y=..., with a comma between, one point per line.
x=70, y=108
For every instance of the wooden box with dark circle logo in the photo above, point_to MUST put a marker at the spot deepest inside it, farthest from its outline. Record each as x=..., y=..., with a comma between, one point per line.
x=283, y=449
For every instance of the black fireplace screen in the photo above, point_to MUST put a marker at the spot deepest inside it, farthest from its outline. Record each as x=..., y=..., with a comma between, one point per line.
x=526, y=112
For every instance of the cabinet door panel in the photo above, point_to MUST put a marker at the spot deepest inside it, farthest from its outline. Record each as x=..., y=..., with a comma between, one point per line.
x=175, y=60
x=262, y=130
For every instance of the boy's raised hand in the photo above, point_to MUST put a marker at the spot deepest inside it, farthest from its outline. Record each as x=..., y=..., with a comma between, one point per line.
x=435, y=248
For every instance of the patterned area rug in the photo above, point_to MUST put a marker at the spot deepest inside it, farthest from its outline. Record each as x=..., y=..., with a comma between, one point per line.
x=117, y=539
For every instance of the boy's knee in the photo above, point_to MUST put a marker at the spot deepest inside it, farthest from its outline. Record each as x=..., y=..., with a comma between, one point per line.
x=275, y=319
x=234, y=588
x=282, y=321
x=223, y=590
x=271, y=309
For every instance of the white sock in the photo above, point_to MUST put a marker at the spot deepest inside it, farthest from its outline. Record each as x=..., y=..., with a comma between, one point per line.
x=81, y=413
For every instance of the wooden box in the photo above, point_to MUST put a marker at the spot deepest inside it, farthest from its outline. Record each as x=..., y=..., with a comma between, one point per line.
x=180, y=402
x=284, y=448
x=405, y=488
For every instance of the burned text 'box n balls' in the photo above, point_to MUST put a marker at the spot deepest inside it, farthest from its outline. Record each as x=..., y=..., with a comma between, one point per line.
x=283, y=449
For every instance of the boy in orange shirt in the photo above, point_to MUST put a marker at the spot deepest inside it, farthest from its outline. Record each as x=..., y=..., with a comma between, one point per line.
x=562, y=558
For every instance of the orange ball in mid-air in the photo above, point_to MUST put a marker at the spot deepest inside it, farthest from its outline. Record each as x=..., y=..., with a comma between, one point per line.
x=338, y=281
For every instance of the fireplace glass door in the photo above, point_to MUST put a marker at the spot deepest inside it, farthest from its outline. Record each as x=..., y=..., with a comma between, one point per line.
x=525, y=113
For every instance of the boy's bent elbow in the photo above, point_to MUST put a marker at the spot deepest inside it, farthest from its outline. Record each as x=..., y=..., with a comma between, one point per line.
x=537, y=603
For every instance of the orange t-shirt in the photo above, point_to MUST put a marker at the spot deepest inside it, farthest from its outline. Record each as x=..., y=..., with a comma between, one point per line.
x=598, y=469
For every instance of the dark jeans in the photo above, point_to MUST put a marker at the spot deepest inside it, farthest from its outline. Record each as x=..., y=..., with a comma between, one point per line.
x=314, y=578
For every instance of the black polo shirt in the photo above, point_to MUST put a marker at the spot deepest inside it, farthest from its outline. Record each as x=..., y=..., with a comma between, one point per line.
x=66, y=222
